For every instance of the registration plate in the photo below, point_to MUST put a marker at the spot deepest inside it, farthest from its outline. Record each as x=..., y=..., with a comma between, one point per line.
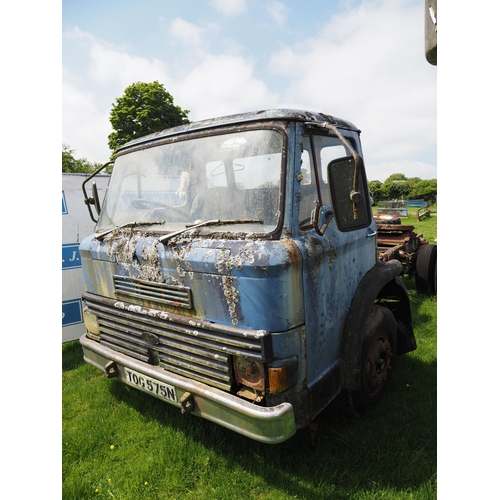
x=147, y=384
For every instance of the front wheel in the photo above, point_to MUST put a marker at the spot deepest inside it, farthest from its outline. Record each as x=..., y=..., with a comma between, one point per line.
x=377, y=361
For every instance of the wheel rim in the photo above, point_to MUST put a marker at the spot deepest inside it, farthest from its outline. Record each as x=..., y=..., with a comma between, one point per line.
x=377, y=363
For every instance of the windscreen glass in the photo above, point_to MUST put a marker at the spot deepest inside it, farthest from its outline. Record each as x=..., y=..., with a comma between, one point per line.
x=231, y=177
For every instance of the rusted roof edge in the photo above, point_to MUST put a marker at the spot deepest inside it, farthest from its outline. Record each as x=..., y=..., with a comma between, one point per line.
x=267, y=114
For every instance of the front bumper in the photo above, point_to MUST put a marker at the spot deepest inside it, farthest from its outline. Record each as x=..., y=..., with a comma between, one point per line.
x=268, y=425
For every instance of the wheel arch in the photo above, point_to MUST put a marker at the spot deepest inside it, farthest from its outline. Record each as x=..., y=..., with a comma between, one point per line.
x=381, y=285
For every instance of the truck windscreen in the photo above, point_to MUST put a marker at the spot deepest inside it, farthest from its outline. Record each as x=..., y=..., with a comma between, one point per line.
x=173, y=185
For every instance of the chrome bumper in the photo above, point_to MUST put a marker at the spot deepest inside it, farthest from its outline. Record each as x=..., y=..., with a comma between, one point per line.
x=268, y=425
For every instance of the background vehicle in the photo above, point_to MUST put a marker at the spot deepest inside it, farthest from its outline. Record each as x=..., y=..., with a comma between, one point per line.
x=76, y=225
x=234, y=273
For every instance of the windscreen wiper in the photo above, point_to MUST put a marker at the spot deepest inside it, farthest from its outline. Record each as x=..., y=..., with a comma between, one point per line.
x=128, y=224
x=213, y=222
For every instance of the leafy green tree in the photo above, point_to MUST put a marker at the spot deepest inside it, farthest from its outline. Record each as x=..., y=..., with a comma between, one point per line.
x=397, y=186
x=70, y=164
x=395, y=177
x=413, y=180
x=143, y=109
x=379, y=191
x=424, y=190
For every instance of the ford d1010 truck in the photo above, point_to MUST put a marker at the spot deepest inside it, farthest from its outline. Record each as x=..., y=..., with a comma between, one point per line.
x=233, y=273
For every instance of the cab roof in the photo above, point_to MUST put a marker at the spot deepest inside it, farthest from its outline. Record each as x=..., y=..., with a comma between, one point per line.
x=241, y=118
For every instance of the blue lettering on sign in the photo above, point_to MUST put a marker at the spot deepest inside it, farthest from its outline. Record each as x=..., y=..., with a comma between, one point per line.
x=71, y=256
x=71, y=312
x=64, y=205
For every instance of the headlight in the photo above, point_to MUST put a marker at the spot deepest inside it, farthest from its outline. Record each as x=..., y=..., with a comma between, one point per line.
x=90, y=321
x=249, y=372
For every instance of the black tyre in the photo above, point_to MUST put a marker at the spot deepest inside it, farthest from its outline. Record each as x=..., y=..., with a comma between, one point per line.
x=426, y=270
x=377, y=362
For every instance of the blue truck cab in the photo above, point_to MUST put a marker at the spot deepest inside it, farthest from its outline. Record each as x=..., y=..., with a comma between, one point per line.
x=233, y=273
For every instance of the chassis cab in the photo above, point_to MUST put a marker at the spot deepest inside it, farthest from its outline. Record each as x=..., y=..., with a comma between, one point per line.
x=233, y=273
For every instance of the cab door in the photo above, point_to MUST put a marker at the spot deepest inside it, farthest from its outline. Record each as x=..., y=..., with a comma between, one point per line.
x=336, y=260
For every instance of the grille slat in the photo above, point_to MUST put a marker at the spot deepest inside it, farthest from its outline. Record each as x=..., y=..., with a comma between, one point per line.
x=194, y=357
x=128, y=352
x=121, y=339
x=169, y=361
x=198, y=376
x=177, y=295
x=196, y=349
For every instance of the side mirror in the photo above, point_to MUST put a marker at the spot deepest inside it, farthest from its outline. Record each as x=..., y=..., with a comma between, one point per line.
x=349, y=193
x=431, y=31
x=94, y=199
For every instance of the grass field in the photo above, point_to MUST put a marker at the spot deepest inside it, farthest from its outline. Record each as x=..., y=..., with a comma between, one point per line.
x=119, y=443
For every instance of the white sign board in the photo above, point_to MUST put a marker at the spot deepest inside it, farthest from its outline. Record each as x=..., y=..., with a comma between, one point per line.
x=76, y=225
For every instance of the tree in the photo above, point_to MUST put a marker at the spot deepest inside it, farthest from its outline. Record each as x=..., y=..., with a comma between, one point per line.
x=424, y=190
x=143, y=109
x=395, y=177
x=379, y=191
x=70, y=164
x=397, y=186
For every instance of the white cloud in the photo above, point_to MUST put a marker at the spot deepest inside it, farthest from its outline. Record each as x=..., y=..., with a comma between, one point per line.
x=77, y=34
x=117, y=67
x=230, y=7
x=381, y=171
x=187, y=33
x=279, y=12
x=113, y=65
x=85, y=127
x=222, y=85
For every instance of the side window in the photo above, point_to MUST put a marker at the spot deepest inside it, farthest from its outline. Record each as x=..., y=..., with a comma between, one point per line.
x=327, y=148
x=329, y=175
x=329, y=153
x=308, y=190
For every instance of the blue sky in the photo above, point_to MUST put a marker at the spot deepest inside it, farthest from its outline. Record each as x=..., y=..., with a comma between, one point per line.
x=363, y=61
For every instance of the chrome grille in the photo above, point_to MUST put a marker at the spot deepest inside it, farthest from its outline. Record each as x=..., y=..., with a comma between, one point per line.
x=196, y=349
x=175, y=295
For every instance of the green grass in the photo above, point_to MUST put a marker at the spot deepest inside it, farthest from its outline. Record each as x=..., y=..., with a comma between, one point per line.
x=120, y=443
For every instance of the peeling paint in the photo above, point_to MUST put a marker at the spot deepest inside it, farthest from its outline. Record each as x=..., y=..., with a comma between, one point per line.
x=231, y=295
x=123, y=244
x=225, y=263
x=155, y=313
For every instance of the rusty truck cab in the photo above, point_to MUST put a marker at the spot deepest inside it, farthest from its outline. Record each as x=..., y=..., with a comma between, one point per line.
x=225, y=274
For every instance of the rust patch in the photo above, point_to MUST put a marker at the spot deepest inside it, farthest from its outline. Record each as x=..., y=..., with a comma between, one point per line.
x=293, y=251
